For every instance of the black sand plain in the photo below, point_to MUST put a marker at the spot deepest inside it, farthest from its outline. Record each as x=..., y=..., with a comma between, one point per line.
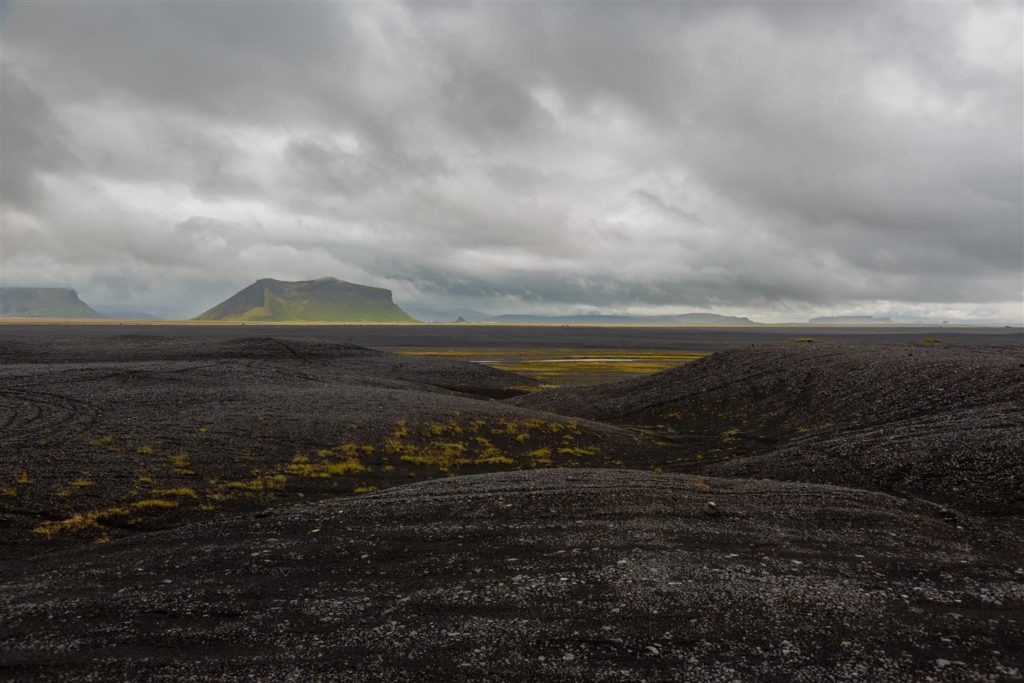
x=218, y=503
x=450, y=336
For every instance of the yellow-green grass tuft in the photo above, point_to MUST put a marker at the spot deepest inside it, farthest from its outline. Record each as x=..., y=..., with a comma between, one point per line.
x=80, y=521
x=179, y=492
x=105, y=441
x=154, y=503
x=270, y=482
x=301, y=467
x=576, y=451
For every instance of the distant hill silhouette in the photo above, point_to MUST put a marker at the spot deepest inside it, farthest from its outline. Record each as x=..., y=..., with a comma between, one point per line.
x=323, y=300
x=43, y=302
x=600, y=319
x=432, y=315
x=849, y=320
x=474, y=316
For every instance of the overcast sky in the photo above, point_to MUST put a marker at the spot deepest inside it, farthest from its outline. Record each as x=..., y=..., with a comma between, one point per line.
x=772, y=159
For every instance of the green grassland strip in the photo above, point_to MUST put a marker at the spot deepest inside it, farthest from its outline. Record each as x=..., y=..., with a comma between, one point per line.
x=552, y=353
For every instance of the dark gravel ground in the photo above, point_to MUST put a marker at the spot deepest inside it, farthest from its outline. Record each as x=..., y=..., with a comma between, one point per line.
x=213, y=427
x=553, y=574
x=347, y=362
x=169, y=483
x=936, y=421
x=689, y=338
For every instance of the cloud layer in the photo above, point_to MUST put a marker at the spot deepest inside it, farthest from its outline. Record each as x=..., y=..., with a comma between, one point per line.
x=774, y=159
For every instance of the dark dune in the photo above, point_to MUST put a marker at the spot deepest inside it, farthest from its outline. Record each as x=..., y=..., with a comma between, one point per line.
x=333, y=359
x=187, y=509
x=970, y=459
x=945, y=423
x=689, y=338
x=221, y=426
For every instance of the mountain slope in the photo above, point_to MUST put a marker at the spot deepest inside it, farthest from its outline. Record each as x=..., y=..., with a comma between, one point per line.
x=43, y=302
x=323, y=300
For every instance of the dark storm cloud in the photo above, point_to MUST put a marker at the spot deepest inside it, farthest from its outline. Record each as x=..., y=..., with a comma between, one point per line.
x=759, y=158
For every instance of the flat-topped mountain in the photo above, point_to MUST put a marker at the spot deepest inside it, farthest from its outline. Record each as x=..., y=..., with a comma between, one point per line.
x=323, y=300
x=43, y=302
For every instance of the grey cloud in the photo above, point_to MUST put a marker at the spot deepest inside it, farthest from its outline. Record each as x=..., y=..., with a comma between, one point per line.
x=31, y=140
x=756, y=156
x=183, y=55
x=488, y=106
x=325, y=166
x=670, y=209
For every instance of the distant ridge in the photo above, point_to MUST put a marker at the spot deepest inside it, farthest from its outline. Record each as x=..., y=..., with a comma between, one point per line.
x=435, y=316
x=849, y=320
x=324, y=300
x=600, y=319
x=474, y=316
x=43, y=302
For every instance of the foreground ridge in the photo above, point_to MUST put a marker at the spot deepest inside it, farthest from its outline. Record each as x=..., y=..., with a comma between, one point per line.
x=550, y=573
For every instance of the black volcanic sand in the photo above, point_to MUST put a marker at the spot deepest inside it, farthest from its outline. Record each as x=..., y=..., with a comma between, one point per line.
x=128, y=442
x=157, y=518
x=476, y=336
x=941, y=422
x=553, y=574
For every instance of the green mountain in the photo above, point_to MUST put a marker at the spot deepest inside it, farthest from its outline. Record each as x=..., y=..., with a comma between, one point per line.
x=323, y=300
x=43, y=302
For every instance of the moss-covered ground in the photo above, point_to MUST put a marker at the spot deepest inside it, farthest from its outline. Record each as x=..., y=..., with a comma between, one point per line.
x=561, y=367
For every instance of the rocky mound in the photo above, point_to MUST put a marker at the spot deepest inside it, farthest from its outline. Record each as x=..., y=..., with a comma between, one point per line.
x=323, y=300
x=557, y=574
x=945, y=423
